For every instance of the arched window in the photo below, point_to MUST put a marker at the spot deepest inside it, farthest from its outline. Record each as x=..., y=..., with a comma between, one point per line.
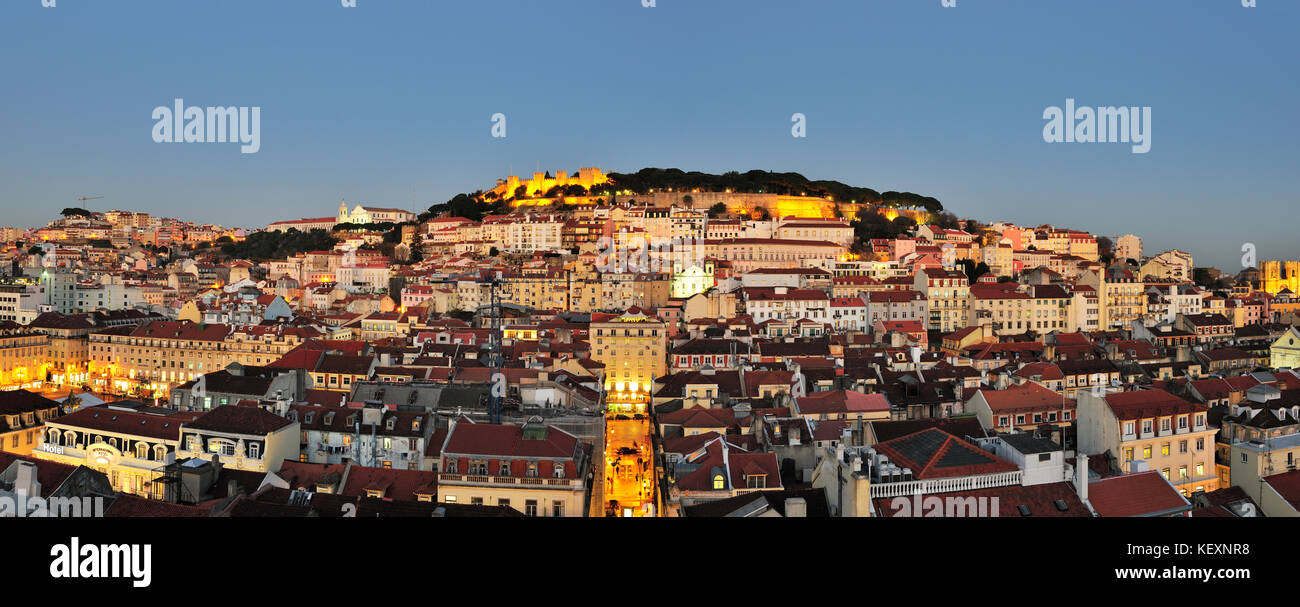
x=142, y=451
x=159, y=452
x=70, y=439
x=718, y=482
x=451, y=465
x=52, y=436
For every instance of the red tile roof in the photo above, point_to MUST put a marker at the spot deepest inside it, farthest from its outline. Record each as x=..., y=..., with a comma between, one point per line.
x=1142, y=404
x=934, y=453
x=234, y=419
x=1028, y=396
x=1141, y=494
x=149, y=425
x=841, y=401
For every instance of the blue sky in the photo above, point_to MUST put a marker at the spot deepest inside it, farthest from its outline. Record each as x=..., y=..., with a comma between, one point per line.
x=389, y=103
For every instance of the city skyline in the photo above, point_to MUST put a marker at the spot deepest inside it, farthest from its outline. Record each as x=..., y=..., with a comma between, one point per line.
x=371, y=105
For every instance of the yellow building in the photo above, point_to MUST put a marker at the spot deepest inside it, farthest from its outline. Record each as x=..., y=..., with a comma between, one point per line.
x=22, y=417
x=1285, y=352
x=633, y=348
x=22, y=352
x=1150, y=430
x=1251, y=461
x=153, y=358
x=1121, y=296
x=1278, y=275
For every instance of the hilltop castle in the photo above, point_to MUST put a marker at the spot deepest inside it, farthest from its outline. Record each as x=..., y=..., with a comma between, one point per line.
x=540, y=184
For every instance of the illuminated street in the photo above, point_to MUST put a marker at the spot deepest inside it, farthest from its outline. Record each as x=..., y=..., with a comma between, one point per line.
x=629, y=468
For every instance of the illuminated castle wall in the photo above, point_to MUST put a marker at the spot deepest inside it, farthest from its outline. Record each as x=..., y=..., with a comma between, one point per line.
x=540, y=184
x=1278, y=275
x=776, y=205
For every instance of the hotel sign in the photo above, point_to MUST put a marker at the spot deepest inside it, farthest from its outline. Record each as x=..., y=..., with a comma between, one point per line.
x=55, y=449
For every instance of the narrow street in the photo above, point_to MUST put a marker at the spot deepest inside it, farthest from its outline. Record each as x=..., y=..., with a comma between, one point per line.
x=629, y=476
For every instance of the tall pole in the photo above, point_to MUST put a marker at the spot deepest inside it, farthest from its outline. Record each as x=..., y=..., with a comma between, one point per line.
x=494, y=351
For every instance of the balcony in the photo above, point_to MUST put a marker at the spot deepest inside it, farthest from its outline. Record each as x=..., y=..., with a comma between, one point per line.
x=945, y=485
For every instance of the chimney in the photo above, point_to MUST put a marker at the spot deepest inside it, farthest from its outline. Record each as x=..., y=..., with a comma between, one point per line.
x=796, y=507
x=1081, y=476
x=25, y=484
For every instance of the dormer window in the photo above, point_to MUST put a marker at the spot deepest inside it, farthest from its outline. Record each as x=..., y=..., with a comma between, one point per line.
x=504, y=470
x=719, y=483
x=415, y=425
x=329, y=418
x=450, y=467
x=559, y=470
x=391, y=423
x=311, y=415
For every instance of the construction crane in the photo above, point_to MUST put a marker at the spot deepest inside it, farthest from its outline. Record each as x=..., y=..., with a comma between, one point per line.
x=83, y=200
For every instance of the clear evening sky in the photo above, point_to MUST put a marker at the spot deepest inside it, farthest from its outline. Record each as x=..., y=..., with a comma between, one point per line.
x=389, y=104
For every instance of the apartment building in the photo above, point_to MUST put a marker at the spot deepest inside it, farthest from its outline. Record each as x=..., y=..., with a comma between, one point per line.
x=1150, y=430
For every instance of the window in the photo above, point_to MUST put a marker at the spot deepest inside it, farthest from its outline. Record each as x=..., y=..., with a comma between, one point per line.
x=530, y=507
x=1128, y=454
x=557, y=508
x=1164, y=424
x=504, y=470
x=1146, y=452
x=1128, y=428
x=1164, y=449
x=476, y=501
x=255, y=451
x=1146, y=426
x=1200, y=444
x=1182, y=446
x=718, y=482
x=503, y=502
x=1182, y=473
x=532, y=469
x=1182, y=422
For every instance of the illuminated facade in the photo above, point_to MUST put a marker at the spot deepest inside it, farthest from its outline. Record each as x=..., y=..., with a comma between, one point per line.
x=633, y=348
x=130, y=448
x=361, y=214
x=20, y=353
x=541, y=183
x=1279, y=275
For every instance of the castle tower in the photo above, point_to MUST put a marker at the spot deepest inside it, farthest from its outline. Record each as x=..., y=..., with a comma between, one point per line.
x=343, y=212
